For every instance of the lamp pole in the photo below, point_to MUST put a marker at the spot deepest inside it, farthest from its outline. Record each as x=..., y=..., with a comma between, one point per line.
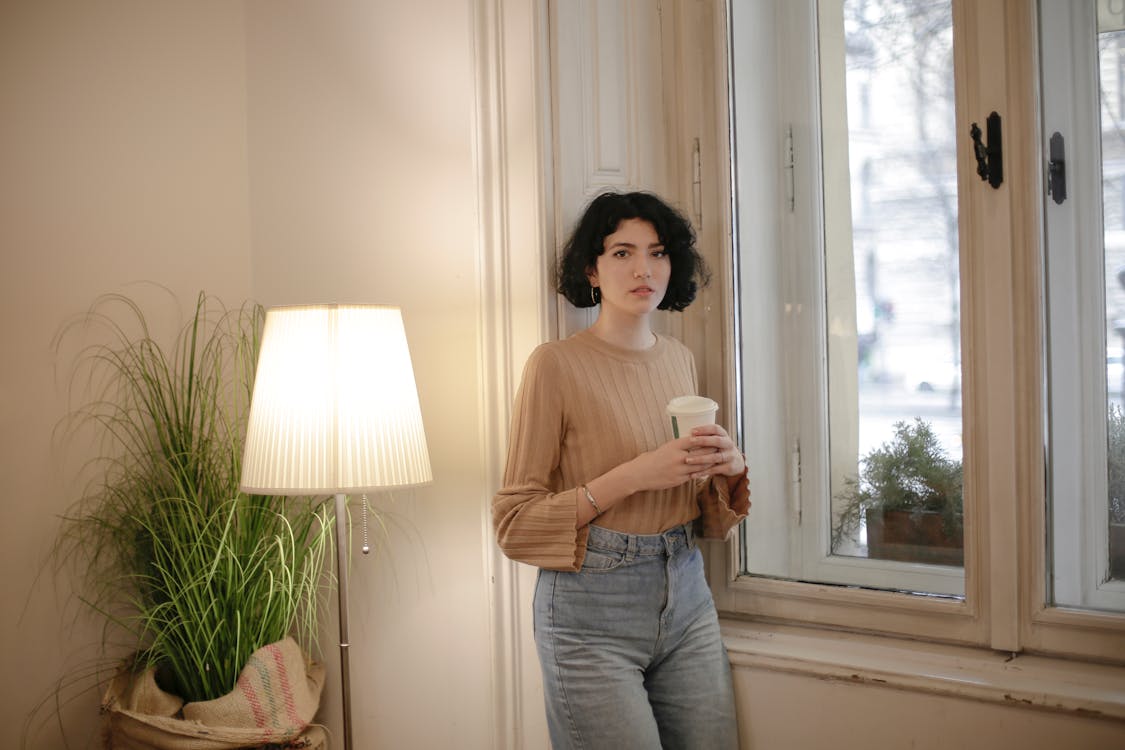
x=342, y=600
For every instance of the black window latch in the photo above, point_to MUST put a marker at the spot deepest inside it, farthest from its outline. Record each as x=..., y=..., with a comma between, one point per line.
x=990, y=154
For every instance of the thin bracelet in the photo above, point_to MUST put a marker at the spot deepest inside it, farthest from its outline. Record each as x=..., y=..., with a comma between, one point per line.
x=597, y=510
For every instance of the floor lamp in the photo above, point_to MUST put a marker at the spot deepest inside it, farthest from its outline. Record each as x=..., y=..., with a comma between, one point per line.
x=335, y=412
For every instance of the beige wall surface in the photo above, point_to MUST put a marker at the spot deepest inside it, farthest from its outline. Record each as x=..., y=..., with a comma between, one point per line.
x=774, y=712
x=122, y=160
x=363, y=189
x=283, y=151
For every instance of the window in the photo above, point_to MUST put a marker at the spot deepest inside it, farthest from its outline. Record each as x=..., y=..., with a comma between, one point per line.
x=874, y=299
x=896, y=345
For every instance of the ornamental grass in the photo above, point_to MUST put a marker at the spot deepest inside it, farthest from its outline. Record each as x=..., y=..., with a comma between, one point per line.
x=197, y=574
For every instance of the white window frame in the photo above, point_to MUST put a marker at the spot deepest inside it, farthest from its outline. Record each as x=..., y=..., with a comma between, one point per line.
x=1075, y=274
x=785, y=322
x=812, y=217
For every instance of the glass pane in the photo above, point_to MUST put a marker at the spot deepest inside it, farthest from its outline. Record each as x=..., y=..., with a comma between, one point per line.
x=1111, y=54
x=892, y=285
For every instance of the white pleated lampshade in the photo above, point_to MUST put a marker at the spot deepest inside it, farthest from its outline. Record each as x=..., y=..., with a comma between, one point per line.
x=335, y=408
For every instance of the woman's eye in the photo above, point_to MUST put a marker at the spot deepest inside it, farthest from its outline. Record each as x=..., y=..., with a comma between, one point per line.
x=659, y=253
x=621, y=254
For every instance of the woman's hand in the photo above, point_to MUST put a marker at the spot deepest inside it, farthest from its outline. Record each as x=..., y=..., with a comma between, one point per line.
x=665, y=466
x=706, y=452
x=712, y=452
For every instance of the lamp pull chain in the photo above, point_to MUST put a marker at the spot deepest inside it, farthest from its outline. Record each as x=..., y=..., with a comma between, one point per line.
x=366, y=548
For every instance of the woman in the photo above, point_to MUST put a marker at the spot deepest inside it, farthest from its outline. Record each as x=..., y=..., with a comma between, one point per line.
x=599, y=496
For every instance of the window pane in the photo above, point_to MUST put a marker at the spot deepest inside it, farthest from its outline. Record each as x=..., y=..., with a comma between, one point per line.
x=849, y=290
x=892, y=287
x=1111, y=54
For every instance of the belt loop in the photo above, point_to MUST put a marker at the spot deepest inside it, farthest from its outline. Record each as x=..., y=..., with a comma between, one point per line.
x=631, y=547
x=689, y=533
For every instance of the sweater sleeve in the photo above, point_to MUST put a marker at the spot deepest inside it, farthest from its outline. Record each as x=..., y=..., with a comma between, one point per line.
x=723, y=503
x=534, y=519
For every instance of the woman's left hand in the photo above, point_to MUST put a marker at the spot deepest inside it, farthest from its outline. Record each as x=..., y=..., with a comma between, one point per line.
x=713, y=452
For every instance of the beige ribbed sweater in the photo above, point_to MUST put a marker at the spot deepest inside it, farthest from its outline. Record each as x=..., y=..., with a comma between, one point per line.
x=584, y=407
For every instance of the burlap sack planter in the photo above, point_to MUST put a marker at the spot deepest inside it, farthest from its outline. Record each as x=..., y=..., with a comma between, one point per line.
x=273, y=704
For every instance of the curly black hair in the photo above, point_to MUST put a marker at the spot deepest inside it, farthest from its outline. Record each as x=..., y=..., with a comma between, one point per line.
x=601, y=219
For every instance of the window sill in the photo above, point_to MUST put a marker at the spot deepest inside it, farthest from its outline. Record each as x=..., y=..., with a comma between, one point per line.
x=1037, y=682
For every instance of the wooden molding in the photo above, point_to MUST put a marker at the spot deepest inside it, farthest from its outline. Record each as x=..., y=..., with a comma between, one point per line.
x=510, y=129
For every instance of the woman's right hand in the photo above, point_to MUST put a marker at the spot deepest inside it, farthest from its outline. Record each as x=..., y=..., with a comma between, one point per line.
x=658, y=469
x=665, y=466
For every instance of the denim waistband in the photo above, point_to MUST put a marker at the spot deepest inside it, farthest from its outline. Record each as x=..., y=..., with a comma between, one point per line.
x=637, y=545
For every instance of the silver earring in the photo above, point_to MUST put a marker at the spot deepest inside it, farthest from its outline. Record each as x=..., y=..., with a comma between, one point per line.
x=594, y=295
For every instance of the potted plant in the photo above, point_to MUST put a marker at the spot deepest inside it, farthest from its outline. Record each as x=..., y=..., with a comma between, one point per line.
x=1116, y=467
x=202, y=579
x=909, y=494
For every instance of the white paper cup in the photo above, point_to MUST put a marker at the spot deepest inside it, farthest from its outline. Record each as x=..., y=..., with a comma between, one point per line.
x=688, y=412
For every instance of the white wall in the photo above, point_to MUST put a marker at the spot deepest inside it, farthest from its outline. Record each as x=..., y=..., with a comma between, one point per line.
x=362, y=189
x=122, y=158
x=284, y=151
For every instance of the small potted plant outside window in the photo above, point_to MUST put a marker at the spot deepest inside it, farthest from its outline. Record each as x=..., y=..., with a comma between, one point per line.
x=1116, y=467
x=909, y=495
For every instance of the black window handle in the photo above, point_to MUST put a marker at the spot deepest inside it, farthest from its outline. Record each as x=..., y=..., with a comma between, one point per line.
x=990, y=154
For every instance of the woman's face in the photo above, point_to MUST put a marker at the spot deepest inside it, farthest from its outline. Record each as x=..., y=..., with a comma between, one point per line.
x=633, y=270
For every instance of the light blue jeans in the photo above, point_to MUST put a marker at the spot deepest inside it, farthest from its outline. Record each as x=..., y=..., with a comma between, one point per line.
x=630, y=648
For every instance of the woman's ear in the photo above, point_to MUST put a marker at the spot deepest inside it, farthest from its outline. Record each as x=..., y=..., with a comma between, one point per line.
x=592, y=275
